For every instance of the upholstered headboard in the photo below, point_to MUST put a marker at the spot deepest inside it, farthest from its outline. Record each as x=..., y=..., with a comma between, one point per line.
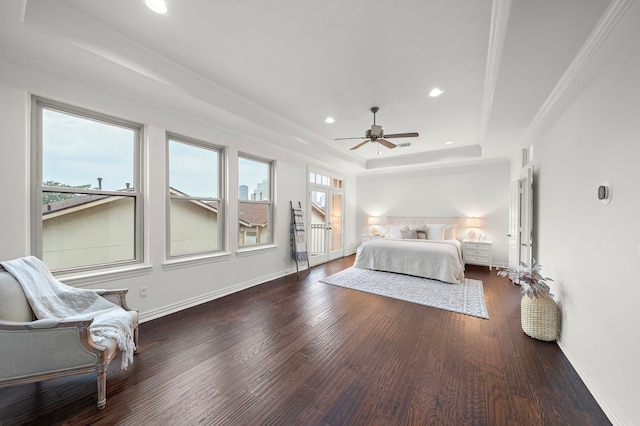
x=400, y=220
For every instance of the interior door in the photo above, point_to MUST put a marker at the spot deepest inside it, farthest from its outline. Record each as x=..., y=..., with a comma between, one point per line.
x=514, y=221
x=525, y=228
x=319, y=224
x=326, y=234
x=336, y=248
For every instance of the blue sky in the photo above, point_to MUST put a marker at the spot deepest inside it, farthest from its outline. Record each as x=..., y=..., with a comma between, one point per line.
x=77, y=151
x=193, y=170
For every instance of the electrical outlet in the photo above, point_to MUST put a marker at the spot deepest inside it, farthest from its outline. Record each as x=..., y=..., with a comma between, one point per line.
x=143, y=292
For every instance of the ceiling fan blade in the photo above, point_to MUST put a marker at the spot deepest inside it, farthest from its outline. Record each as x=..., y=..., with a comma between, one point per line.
x=403, y=135
x=342, y=139
x=387, y=143
x=359, y=145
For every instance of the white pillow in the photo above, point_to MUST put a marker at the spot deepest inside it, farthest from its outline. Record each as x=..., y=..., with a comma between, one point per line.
x=394, y=231
x=419, y=228
x=435, y=232
x=410, y=234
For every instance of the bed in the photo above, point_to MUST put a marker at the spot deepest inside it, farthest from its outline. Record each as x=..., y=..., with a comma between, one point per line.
x=422, y=246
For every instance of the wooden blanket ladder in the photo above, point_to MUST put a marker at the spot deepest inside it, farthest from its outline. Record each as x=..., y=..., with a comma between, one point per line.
x=298, y=241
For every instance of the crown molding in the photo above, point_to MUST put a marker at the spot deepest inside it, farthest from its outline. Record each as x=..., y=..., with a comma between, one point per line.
x=601, y=31
x=500, y=11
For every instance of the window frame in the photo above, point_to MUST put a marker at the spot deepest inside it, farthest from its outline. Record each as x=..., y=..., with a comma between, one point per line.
x=38, y=104
x=270, y=202
x=169, y=136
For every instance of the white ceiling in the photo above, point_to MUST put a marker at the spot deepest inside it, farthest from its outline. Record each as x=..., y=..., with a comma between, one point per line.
x=274, y=70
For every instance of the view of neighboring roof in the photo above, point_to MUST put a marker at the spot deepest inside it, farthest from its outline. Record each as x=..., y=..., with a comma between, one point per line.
x=319, y=210
x=71, y=202
x=77, y=202
x=253, y=214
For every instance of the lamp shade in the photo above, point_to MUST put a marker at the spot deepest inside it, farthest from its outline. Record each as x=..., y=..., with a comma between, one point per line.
x=474, y=222
x=373, y=220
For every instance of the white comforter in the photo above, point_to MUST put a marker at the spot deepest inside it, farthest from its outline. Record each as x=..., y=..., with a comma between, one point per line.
x=435, y=259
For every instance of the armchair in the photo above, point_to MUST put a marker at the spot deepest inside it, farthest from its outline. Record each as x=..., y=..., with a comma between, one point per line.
x=34, y=350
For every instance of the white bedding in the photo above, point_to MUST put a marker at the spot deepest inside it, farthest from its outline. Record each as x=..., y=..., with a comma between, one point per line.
x=435, y=259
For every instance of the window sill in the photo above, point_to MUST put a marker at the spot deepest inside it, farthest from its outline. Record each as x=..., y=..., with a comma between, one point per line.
x=193, y=261
x=88, y=279
x=250, y=251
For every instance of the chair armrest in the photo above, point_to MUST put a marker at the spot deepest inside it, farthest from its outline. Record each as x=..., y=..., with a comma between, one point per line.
x=45, y=324
x=116, y=296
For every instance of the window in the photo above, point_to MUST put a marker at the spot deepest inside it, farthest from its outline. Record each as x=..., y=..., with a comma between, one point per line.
x=323, y=180
x=194, y=212
x=255, y=201
x=87, y=200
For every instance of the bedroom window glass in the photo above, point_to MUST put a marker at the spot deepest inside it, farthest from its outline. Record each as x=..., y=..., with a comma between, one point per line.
x=87, y=200
x=194, y=197
x=255, y=201
x=323, y=180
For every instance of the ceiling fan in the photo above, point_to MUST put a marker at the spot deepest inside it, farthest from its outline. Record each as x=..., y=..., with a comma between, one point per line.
x=376, y=134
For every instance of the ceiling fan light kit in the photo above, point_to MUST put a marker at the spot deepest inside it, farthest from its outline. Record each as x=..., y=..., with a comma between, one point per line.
x=158, y=6
x=376, y=134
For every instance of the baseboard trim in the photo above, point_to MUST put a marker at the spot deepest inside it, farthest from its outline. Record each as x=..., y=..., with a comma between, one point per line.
x=207, y=297
x=610, y=408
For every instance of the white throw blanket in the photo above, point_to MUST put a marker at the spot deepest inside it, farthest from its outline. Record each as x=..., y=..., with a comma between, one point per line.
x=49, y=298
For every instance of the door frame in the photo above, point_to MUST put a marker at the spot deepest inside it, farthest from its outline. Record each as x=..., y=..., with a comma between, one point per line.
x=526, y=217
x=515, y=194
x=521, y=210
x=330, y=191
x=521, y=219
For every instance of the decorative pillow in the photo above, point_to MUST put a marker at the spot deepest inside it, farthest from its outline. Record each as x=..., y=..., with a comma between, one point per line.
x=435, y=232
x=422, y=235
x=450, y=232
x=394, y=231
x=410, y=234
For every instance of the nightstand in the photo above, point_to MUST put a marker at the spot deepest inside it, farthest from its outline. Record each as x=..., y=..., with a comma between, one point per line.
x=477, y=252
x=367, y=237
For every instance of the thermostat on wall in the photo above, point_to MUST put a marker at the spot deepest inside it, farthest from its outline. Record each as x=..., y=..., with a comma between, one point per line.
x=604, y=192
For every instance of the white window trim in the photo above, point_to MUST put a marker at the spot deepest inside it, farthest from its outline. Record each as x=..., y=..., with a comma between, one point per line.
x=203, y=256
x=251, y=249
x=256, y=249
x=37, y=105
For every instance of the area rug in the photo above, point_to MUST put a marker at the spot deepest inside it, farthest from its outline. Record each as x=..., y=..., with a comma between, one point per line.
x=465, y=298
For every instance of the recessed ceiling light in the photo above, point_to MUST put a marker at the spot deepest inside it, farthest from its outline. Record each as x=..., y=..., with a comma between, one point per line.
x=448, y=143
x=329, y=120
x=158, y=6
x=435, y=92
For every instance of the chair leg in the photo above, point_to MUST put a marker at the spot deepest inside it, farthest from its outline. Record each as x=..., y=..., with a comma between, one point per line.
x=102, y=389
x=135, y=340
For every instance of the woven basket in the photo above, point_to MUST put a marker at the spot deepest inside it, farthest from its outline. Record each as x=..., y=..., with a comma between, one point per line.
x=539, y=317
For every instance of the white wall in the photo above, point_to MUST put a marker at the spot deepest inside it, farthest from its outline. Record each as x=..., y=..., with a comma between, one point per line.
x=592, y=250
x=480, y=190
x=170, y=286
x=14, y=203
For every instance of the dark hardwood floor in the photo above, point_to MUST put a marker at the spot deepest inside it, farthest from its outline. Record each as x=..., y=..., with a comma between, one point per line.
x=300, y=352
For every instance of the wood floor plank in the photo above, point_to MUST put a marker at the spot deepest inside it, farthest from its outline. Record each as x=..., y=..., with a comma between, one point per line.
x=300, y=352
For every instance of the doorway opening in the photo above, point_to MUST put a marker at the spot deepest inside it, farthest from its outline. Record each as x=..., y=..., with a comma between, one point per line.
x=326, y=217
